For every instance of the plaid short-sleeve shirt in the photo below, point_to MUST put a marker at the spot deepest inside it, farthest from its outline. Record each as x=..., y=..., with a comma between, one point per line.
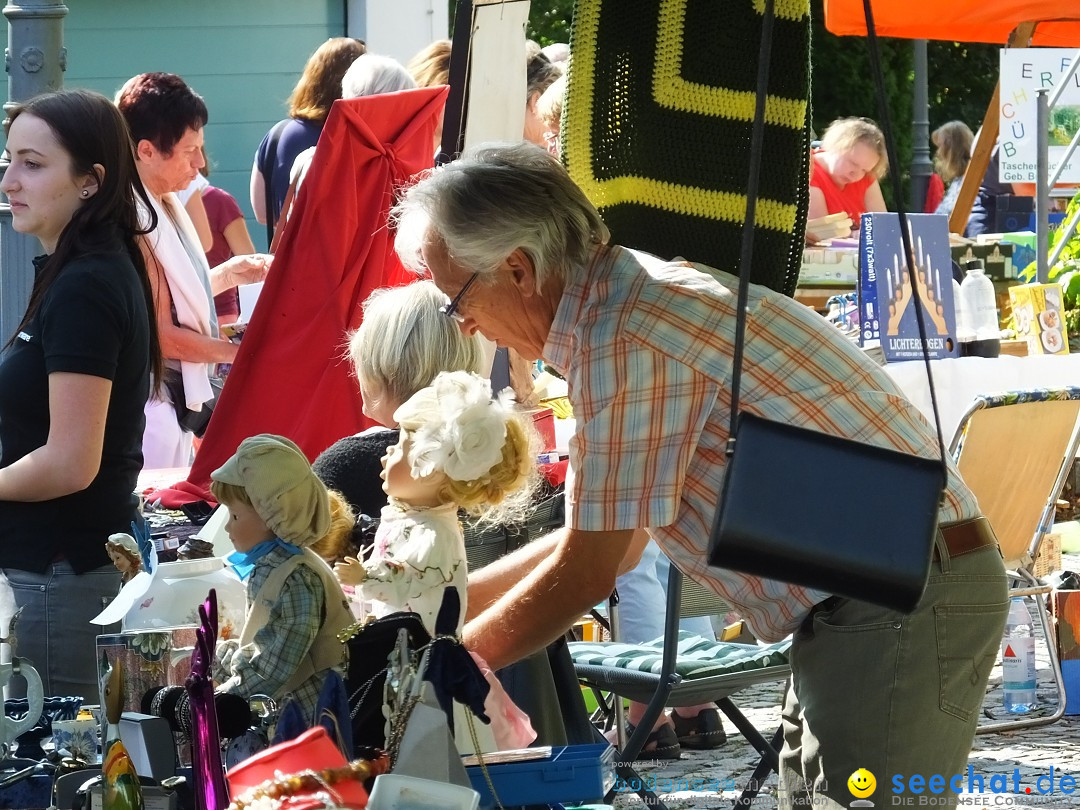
x=647, y=350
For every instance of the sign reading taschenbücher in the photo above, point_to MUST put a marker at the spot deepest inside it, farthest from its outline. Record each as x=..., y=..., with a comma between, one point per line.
x=886, y=304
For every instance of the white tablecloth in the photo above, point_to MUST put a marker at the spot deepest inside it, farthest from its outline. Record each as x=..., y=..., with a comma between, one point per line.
x=958, y=381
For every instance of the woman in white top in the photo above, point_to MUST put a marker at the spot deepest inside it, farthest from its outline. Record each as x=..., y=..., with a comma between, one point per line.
x=166, y=118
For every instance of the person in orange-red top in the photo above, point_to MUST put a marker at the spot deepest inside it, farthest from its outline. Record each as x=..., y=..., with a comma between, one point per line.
x=847, y=168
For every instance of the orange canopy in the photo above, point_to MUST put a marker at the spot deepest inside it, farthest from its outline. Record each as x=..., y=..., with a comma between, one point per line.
x=959, y=20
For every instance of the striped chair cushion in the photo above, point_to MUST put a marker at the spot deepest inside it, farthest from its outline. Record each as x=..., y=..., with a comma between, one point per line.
x=697, y=658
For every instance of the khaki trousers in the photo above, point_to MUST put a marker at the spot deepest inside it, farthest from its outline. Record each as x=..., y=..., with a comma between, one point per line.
x=898, y=695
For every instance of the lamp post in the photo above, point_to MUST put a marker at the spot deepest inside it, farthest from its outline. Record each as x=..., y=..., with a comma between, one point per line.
x=921, y=167
x=35, y=62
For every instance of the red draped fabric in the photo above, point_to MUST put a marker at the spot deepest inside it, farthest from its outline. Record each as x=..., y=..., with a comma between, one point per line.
x=959, y=20
x=291, y=375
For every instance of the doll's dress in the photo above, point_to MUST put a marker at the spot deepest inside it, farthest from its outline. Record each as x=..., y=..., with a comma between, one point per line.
x=419, y=552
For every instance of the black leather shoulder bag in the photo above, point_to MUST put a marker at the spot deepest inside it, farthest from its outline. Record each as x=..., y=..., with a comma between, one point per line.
x=857, y=521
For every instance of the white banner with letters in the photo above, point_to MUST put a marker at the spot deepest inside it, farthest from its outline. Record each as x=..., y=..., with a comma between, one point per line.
x=1023, y=72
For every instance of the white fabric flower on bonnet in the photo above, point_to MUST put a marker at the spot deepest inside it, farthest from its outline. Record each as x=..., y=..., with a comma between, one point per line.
x=455, y=427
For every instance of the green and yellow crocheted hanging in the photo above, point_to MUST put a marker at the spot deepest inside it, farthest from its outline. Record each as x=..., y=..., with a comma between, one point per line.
x=657, y=120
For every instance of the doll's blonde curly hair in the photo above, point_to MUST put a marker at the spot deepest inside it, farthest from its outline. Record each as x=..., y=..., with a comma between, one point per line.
x=503, y=494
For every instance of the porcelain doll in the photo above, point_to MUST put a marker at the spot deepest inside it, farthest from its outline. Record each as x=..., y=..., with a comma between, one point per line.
x=458, y=449
x=278, y=509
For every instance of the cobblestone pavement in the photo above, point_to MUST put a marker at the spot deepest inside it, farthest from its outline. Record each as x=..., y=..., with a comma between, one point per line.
x=1031, y=752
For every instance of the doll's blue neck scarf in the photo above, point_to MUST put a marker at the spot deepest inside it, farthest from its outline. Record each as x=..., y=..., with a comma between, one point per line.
x=243, y=562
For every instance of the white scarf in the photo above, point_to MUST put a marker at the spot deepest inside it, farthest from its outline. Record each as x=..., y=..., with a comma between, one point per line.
x=176, y=247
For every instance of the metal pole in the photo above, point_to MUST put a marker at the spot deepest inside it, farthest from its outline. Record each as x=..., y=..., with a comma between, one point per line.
x=35, y=62
x=1042, y=190
x=921, y=167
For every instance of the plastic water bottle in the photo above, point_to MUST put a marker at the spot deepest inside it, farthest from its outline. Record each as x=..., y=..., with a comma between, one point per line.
x=1018, y=659
x=964, y=331
x=979, y=306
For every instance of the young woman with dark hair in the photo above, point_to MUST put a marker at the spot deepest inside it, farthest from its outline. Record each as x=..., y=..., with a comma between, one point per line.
x=74, y=377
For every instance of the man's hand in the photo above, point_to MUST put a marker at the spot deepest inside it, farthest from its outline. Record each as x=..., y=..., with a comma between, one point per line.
x=545, y=600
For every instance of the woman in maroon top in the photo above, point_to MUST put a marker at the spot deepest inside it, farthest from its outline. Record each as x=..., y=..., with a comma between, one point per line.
x=231, y=238
x=846, y=170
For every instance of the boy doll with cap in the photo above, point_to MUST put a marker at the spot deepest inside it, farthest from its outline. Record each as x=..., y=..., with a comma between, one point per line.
x=277, y=509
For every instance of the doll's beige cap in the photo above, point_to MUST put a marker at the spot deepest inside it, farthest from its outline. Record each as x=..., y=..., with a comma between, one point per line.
x=283, y=489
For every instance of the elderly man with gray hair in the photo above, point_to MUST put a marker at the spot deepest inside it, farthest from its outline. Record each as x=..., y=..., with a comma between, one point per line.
x=646, y=346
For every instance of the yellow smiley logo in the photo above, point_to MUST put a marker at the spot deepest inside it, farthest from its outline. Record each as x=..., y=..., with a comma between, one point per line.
x=861, y=783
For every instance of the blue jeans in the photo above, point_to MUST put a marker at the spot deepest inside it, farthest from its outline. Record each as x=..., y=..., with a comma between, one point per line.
x=54, y=631
x=643, y=600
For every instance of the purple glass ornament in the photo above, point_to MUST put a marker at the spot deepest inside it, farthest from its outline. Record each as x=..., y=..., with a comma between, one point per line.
x=211, y=791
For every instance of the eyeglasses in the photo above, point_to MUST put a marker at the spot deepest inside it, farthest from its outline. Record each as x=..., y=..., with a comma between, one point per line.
x=450, y=310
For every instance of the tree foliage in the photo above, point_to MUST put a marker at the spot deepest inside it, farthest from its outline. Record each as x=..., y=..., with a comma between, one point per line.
x=961, y=78
x=549, y=21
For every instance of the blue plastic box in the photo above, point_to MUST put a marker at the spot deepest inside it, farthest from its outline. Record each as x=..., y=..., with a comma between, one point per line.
x=1070, y=674
x=573, y=773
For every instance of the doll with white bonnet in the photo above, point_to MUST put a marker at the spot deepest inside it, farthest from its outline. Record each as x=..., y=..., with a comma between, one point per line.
x=278, y=508
x=458, y=448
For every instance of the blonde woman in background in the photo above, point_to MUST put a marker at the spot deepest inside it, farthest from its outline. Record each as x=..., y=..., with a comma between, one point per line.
x=846, y=170
x=430, y=67
x=549, y=108
x=309, y=104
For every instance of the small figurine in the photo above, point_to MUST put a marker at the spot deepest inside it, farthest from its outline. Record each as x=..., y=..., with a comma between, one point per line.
x=124, y=553
x=278, y=508
x=122, y=789
x=458, y=448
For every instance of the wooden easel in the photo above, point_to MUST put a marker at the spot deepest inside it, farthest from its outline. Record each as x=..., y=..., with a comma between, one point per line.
x=988, y=134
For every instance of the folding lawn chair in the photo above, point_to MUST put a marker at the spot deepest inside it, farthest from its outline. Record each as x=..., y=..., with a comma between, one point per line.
x=684, y=670
x=485, y=543
x=1034, y=438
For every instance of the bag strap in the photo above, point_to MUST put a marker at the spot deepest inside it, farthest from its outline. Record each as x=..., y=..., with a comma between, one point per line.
x=746, y=251
x=905, y=233
x=747, y=243
x=283, y=217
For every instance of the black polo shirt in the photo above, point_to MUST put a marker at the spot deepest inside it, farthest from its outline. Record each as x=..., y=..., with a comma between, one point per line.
x=92, y=320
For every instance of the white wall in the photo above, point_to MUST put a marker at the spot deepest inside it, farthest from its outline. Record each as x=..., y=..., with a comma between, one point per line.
x=398, y=28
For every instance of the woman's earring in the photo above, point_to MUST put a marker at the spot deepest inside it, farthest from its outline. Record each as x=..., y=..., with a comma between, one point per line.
x=86, y=192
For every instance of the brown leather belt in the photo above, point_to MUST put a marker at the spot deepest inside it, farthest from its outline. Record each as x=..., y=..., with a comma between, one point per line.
x=966, y=536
